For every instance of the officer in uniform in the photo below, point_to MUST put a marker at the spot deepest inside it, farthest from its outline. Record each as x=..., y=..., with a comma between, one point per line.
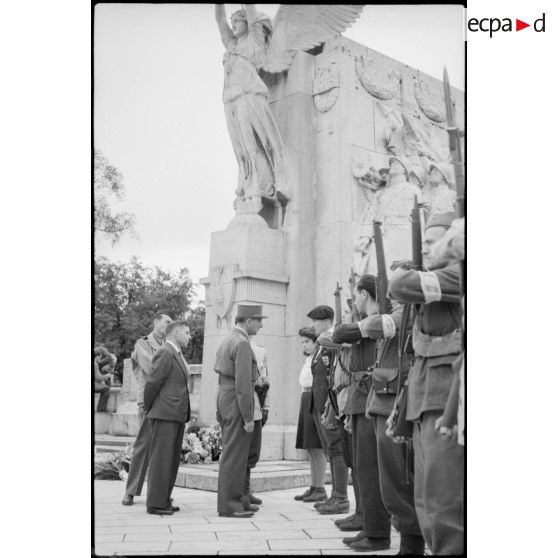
x=437, y=343
x=237, y=368
x=142, y=356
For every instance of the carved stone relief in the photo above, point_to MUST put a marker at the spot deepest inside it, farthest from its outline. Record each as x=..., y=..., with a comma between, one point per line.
x=380, y=82
x=325, y=88
x=222, y=288
x=430, y=102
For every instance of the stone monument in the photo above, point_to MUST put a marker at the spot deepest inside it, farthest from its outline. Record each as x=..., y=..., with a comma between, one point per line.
x=359, y=132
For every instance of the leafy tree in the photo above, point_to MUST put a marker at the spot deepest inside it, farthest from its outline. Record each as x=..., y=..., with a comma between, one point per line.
x=108, y=187
x=127, y=297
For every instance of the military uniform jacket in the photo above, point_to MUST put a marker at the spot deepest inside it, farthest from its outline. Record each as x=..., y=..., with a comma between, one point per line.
x=142, y=355
x=368, y=339
x=436, y=337
x=236, y=361
x=166, y=394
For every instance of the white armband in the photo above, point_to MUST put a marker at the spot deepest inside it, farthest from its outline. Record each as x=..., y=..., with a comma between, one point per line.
x=362, y=330
x=388, y=326
x=430, y=285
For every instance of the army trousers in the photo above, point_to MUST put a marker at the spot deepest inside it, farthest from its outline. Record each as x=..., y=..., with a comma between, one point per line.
x=438, y=486
x=333, y=447
x=375, y=518
x=397, y=494
x=233, y=462
x=140, y=456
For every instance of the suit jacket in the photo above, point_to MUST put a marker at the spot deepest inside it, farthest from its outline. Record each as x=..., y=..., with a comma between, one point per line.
x=235, y=359
x=166, y=394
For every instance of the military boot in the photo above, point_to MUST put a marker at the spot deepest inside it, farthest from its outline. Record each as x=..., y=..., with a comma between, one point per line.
x=367, y=544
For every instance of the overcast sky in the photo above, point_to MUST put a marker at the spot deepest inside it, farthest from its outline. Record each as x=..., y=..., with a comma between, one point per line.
x=159, y=116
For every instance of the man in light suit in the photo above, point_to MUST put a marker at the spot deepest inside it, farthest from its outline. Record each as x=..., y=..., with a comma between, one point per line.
x=238, y=371
x=167, y=405
x=142, y=357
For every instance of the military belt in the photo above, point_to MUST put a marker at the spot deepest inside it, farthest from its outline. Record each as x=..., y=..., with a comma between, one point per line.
x=426, y=345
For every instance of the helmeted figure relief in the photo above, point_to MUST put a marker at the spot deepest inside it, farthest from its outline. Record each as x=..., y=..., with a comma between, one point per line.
x=392, y=208
x=371, y=181
x=254, y=44
x=438, y=197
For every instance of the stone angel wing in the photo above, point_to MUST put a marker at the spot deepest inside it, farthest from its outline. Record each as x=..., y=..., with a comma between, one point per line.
x=301, y=27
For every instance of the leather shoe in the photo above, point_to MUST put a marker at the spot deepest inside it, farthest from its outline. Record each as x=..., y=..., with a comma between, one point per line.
x=251, y=508
x=319, y=495
x=254, y=500
x=304, y=494
x=159, y=511
x=244, y=513
x=128, y=500
x=318, y=505
x=337, y=505
x=345, y=519
x=367, y=544
x=171, y=507
x=354, y=525
x=351, y=540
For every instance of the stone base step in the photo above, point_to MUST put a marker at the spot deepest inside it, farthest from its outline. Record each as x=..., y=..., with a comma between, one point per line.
x=268, y=475
x=112, y=404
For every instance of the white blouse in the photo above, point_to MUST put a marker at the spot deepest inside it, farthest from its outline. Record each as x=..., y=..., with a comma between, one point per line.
x=305, y=378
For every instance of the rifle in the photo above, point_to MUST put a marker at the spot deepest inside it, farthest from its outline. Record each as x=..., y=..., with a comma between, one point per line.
x=454, y=134
x=416, y=231
x=382, y=281
x=337, y=295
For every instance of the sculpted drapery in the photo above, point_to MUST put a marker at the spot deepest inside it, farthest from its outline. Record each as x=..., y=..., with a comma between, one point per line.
x=254, y=44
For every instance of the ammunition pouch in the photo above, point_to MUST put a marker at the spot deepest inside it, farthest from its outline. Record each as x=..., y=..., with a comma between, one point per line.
x=385, y=380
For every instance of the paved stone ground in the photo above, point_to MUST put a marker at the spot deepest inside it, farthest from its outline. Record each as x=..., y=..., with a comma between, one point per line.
x=282, y=526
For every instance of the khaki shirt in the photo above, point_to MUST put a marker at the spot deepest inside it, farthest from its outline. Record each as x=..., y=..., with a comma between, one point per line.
x=261, y=358
x=142, y=356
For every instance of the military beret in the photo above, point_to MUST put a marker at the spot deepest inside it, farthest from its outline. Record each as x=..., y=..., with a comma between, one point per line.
x=441, y=220
x=321, y=313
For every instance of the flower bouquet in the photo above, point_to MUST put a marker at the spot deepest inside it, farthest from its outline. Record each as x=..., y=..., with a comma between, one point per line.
x=202, y=445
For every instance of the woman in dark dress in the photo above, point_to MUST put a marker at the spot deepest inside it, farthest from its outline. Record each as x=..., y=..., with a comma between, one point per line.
x=307, y=436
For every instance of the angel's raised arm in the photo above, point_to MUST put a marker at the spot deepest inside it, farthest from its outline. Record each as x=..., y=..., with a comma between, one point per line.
x=250, y=13
x=224, y=29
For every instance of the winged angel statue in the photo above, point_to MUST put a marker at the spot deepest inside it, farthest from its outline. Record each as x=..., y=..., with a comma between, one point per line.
x=255, y=44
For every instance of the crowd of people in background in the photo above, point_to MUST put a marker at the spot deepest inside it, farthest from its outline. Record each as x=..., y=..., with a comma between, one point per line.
x=104, y=364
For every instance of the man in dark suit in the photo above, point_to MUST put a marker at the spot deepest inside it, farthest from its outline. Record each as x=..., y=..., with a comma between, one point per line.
x=238, y=371
x=167, y=404
x=142, y=357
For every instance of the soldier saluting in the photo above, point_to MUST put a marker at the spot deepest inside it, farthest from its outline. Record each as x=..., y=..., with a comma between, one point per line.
x=436, y=343
x=238, y=372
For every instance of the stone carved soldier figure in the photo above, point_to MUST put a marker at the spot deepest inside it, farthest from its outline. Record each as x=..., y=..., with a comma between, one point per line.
x=438, y=197
x=255, y=44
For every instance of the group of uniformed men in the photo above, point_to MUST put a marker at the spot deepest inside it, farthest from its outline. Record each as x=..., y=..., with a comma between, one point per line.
x=412, y=481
